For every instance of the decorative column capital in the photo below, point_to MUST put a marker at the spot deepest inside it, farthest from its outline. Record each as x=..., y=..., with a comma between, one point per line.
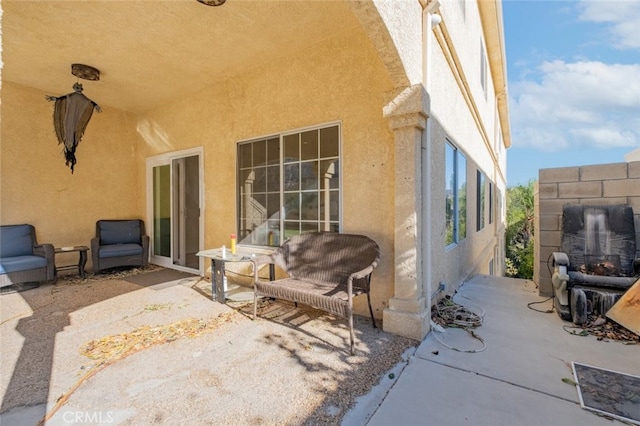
x=409, y=108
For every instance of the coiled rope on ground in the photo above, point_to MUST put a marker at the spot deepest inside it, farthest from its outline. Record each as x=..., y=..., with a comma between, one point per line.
x=449, y=314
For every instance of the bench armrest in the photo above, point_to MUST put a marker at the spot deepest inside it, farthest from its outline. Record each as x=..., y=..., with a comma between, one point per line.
x=363, y=273
x=360, y=275
x=265, y=259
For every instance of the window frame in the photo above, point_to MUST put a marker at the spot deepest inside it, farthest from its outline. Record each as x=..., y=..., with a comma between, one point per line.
x=266, y=233
x=481, y=184
x=458, y=197
x=491, y=202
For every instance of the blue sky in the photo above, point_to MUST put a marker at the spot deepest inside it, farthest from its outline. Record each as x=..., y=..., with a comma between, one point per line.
x=574, y=83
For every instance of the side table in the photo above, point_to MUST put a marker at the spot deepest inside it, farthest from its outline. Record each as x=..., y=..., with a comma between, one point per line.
x=82, y=259
x=218, y=260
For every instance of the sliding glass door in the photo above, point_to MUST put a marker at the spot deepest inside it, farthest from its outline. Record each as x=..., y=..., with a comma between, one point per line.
x=174, y=205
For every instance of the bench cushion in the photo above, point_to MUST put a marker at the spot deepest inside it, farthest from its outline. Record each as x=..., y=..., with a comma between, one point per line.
x=119, y=232
x=328, y=297
x=16, y=240
x=21, y=263
x=118, y=250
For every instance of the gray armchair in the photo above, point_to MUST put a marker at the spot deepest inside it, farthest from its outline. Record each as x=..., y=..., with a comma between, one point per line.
x=597, y=263
x=22, y=259
x=119, y=243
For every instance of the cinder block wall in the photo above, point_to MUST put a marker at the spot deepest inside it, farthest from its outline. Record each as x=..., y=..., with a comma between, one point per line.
x=616, y=183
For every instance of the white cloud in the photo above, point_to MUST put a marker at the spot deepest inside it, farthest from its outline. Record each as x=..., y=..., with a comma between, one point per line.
x=577, y=105
x=604, y=137
x=622, y=15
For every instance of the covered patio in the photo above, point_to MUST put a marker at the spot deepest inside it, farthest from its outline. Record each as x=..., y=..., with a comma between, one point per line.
x=182, y=86
x=268, y=119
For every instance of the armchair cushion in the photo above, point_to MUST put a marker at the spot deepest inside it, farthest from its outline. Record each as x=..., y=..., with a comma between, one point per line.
x=16, y=240
x=119, y=232
x=21, y=263
x=116, y=250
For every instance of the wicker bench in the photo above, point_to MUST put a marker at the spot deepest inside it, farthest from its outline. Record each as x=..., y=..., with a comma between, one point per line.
x=326, y=270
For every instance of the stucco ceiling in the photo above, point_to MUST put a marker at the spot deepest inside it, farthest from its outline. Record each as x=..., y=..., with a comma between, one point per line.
x=151, y=51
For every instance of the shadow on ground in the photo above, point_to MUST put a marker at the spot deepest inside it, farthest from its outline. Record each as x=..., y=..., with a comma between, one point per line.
x=44, y=311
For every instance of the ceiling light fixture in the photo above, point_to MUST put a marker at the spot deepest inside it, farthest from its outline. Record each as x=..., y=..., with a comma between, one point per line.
x=85, y=72
x=212, y=2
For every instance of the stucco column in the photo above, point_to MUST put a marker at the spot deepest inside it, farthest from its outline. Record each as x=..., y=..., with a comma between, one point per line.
x=407, y=314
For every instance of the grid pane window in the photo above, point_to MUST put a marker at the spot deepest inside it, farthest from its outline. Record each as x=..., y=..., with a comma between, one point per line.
x=309, y=145
x=281, y=196
x=291, y=148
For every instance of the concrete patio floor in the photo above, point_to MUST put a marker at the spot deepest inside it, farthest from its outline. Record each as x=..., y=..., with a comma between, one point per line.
x=516, y=380
x=122, y=349
x=291, y=366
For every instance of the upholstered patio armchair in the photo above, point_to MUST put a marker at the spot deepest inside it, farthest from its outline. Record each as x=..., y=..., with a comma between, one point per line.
x=119, y=243
x=22, y=259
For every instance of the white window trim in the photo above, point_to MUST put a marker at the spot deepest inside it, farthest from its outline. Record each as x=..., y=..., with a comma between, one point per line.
x=281, y=136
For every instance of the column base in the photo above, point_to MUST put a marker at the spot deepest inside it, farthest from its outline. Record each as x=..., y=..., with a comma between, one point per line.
x=414, y=325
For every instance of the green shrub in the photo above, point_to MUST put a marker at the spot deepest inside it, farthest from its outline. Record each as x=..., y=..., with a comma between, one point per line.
x=520, y=231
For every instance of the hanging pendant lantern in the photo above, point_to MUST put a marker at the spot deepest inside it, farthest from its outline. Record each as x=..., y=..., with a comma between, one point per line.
x=72, y=113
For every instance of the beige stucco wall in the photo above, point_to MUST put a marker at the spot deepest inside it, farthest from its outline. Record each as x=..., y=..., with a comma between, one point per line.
x=603, y=184
x=395, y=30
x=35, y=185
x=340, y=80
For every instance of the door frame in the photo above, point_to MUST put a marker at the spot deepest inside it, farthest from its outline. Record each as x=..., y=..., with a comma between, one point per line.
x=164, y=159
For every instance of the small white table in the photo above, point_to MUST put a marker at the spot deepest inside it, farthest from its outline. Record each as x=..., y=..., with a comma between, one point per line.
x=218, y=260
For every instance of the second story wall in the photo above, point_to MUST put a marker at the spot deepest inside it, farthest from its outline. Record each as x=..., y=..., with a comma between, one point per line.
x=465, y=115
